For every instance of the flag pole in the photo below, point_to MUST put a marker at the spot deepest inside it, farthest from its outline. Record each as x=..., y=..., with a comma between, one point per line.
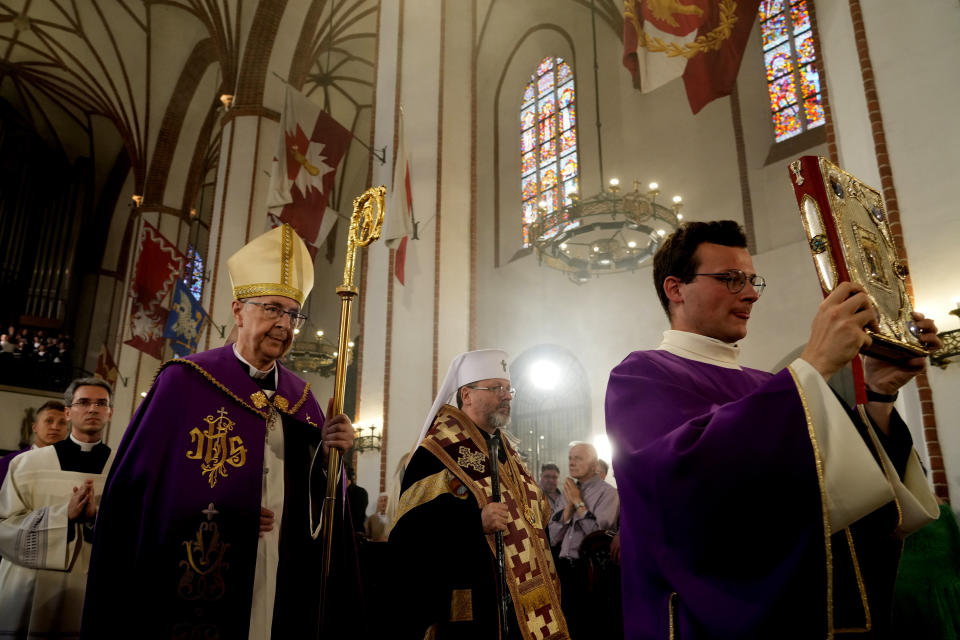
x=365, y=226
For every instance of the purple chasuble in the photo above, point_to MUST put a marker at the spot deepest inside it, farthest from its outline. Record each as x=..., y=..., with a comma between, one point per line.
x=176, y=535
x=720, y=501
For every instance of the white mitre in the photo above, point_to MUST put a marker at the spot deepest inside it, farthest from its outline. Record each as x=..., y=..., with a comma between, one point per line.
x=466, y=368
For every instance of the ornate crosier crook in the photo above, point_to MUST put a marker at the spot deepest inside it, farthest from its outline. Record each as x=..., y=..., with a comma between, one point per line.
x=365, y=225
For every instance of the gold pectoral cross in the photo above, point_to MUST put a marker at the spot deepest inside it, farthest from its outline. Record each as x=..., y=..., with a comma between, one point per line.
x=215, y=448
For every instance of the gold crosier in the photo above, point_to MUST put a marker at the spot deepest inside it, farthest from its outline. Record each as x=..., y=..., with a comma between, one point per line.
x=365, y=225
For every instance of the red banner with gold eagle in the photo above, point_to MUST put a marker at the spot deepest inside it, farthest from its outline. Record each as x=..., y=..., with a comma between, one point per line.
x=701, y=41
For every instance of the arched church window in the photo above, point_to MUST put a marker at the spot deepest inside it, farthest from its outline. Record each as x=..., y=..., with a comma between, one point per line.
x=193, y=272
x=789, y=56
x=549, y=168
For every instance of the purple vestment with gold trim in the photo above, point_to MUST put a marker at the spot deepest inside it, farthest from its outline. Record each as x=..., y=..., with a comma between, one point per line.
x=176, y=536
x=722, y=529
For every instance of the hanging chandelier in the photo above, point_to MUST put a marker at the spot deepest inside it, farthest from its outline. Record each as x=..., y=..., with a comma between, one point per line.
x=315, y=354
x=609, y=232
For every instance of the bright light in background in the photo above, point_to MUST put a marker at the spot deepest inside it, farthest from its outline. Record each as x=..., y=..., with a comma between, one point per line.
x=602, y=445
x=544, y=374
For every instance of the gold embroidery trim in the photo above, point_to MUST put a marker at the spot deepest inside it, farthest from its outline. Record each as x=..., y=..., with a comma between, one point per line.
x=267, y=289
x=461, y=605
x=421, y=492
x=211, y=379
x=827, y=544
x=867, y=622
x=280, y=402
x=303, y=398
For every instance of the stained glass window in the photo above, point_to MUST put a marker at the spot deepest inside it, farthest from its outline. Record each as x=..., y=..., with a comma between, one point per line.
x=549, y=166
x=792, y=78
x=193, y=273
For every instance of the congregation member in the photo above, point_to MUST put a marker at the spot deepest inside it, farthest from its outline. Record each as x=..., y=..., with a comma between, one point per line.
x=587, y=504
x=549, y=479
x=754, y=504
x=49, y=426
x=375, y=527
x=209, y=521
x=444, y=537
x=48, y=505
x=603, y=468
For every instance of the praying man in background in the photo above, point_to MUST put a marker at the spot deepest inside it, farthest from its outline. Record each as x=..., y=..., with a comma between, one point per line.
x=48, y=505
x=755, y=505
x=209, y=522
x=443, y=540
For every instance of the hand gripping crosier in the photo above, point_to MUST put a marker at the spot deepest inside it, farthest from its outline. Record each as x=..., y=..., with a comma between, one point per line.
x=365, y=224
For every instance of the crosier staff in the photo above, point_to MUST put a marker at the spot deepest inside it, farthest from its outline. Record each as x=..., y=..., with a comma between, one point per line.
x=365, y=225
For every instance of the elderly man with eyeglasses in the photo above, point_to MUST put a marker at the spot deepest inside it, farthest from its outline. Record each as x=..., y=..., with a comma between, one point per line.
x=209, y=523
x=756, y=505
x=448, y=520
x=48, y=504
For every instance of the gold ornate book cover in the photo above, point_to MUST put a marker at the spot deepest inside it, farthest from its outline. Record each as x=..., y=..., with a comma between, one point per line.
x=849, y=237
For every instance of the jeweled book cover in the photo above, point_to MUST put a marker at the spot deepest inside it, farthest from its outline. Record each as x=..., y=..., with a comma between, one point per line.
x=849, y=237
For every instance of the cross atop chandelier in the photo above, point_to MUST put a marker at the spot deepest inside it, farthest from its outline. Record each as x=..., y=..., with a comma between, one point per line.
x=609, y=232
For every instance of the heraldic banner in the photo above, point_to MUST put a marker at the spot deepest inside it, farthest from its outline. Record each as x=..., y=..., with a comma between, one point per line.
x=159, y=265
x=309, y=148
x=106, y=367
x=700, y=40
x=185, y=321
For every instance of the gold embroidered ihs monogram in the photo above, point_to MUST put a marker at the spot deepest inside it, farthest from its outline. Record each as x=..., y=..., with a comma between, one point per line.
x=201, y=579
x=216, y=449
x=471, y=459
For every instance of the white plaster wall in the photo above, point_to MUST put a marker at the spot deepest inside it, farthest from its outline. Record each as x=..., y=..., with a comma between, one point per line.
x=454, y=286
x=376, y=256
x=411, y=358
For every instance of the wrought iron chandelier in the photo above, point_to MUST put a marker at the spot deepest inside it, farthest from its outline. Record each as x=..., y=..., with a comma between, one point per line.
x=609, y=232
x=315, y=354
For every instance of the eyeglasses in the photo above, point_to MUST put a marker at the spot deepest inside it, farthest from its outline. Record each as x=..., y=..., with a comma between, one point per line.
x=273, y=312
x=86, y=403
x=736, y=280
x=499, y=390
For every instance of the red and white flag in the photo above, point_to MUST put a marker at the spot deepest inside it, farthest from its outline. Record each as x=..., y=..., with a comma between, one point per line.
x=106, y=367
x=309, y=148
x=700, y=40
x=159, y=264
x=398, y=226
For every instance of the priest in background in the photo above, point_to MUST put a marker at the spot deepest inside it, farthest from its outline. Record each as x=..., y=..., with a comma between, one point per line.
x=47, y=510
x=444, y=538
x=755, y=505
x=209, y=524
